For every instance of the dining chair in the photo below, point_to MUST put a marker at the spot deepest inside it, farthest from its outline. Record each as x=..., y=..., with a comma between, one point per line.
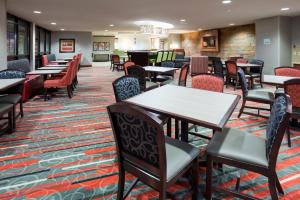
x=116, y=62
x=256, y=72
x=159, y=57
x=154, y=159
x=165, y=56
x=126, y=87
x=126, y=65
x=218, y=68
x=287, y=71
x=231, y=76
x=167, y=75
x=7, y=109
x=140, y=73
x=182, y=77
x=246, y=151
x=254, y=95
x=292, y=88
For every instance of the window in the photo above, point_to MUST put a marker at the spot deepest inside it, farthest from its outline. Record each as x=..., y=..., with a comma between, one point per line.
x=18, y=38
x=42, y=44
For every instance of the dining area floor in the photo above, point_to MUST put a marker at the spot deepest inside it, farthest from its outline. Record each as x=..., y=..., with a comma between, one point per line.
x=64, y=149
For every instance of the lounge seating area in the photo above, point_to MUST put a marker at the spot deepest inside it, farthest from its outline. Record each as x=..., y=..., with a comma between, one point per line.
x=194, y=101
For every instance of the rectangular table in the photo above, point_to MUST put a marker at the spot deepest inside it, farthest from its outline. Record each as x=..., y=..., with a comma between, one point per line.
x=59, y=61
x=45, y=72
x=158, y=69
x=200, y=107
x=8, y=83
x=57, y=65
x=244, y=65
x=276, y=80
x=52, y=68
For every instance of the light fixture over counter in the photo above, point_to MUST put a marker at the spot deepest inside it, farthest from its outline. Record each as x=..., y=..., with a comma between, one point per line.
x=154, y=27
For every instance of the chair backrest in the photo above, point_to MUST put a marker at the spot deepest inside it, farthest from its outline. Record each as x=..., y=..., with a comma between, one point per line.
x=45, y=60
x=243, y=82
x=19, y=65
x=51, y=57
x=126, y=65
x=287, y=71
x=296, y=66
x=208, y=82
x=167, y=64
x=170, y=55
x=165, y=56
x=218, y=68
x=67, y=79
x=11, y=74
x=242, y=60
x=159, y=57
x=173, y=56
x=276, y=127
x=199, y=65
x=139, y=138
x=292, y=88
x=183, y=75
x=231, y=67
x=115, y=58
x=126, y=87
x=140, y=73
x=257, y=69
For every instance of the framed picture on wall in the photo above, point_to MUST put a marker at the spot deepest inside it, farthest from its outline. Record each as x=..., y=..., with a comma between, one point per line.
x=101, y=46
x=66, y=45
x=210, y=41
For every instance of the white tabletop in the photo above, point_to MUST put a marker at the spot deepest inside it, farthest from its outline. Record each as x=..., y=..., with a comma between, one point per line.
x=8, y=83
x=52, y=68
x=44, y=72
x=201, y=107
x=244, y=64
x=276, y=80
x=59, y=61
x=57, y=65
x=159, y=69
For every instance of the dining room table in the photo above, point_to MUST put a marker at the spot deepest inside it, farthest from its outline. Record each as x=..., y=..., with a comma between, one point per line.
x=57, y=65
x=189, y=105
x=53, y=68
x=276, y=80
x=155, y=70
x=9, y=83
x=59, y=61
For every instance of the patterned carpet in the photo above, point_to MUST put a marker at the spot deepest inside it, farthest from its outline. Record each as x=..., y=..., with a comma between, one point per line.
x=64, y=149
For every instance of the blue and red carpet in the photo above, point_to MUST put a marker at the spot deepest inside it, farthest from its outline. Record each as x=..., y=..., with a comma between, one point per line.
x=64, y=149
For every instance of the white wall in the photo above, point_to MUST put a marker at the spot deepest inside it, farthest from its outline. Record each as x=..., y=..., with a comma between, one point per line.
x=174, y=41
x=134, y=42
x=83, y=44
x=285, y=38
x=296, y=39
x=3, y=39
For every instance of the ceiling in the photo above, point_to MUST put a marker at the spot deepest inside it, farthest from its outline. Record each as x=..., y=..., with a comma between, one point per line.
x=97, y=15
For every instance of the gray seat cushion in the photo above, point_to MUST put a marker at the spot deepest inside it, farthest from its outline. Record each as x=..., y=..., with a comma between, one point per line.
x=179, y=155
x=4, y=108
x=261, y=95
x=11, y=98
x=19, y=65
x=239, y=145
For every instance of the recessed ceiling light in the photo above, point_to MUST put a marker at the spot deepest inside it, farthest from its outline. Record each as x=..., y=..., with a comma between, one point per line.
x=182, y=20
x=111, y=25
x=37, y=12
x=62, y=29
x=200, y=29
x=226, y=1
x=285, y=9
x=53, y=23
x=105, y=30
x=232, y=24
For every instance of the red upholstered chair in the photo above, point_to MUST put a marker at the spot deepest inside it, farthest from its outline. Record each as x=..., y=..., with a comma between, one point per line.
x=126, y=65
x=45, y=60
x=292, y=88
x=231, y=76
x=64, y=82
x=208, y=82
x=287, y=71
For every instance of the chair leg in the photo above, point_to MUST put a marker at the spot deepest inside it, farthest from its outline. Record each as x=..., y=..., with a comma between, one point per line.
x=46, y=94
x=288, y=132
x=69, y=91
x=14, y=117
x=21, y=108
x=195, y=181
x=209, y=168
x=162, y=193
x=176, y=129
x=242, y=108
x=272, y=187
x=121, y=184
x=10, y=121
x=278, y=185
x=169, y=127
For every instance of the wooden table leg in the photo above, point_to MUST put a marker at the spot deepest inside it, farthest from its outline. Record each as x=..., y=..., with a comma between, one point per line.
x=184, y=131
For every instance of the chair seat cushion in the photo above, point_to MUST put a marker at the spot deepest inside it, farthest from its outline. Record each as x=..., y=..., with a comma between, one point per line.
x=11, y=98
x=53, y=83
x=179, y=155
x=5, y=107
x=238, y=145
x=151, y=85
x=260, y=95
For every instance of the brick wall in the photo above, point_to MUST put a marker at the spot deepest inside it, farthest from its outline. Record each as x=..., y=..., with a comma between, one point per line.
x=233, y=41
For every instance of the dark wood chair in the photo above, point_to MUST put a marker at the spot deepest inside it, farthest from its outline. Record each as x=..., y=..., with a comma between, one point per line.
x=155, y=160
x=140, y=73
x=126, y=87
x=126, y=65
x=7, y=109
x=256, y=72
x=255, y=95
x=218, y=68
x=232, y=75
x=292, y=88
x=246, y=151
x=116, y=63
x=182, y=77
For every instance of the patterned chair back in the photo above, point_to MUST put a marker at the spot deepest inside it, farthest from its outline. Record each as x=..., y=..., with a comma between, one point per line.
x=139, y=138
x=208, y=82
x=257, y=69
x=218, y=68
x=19, y=65
x=126, y=87
x=11, y=74
x=140, y=73
x=126, y=65
x=287, y=71
x=243, y=82
x=231, y=67
x=276, y=127
x=292, y=88
x=183, y=75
